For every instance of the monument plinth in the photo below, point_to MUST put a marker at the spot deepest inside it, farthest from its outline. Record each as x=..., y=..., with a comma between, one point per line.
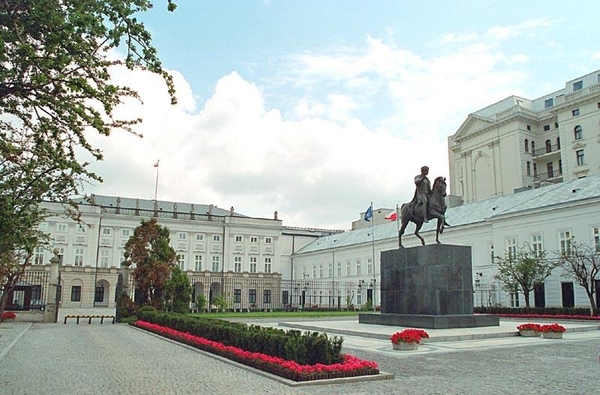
x=427, y=287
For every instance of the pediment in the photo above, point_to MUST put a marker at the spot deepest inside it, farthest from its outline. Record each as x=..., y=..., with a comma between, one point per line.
x=471, y=125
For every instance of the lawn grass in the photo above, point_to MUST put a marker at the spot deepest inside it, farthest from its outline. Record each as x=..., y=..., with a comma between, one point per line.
x=278, y=314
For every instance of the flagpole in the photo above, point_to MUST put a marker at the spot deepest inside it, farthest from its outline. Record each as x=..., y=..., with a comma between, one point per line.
x=156, y=184
x=398, y=226
x=373, y=257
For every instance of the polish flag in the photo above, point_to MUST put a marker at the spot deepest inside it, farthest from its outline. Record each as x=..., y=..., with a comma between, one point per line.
x=156, y=164
x=392, y=216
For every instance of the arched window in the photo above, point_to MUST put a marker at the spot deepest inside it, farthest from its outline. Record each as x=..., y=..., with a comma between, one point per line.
x=526, y=145
x=548, y=146
x=533, y=148
x=578, y=132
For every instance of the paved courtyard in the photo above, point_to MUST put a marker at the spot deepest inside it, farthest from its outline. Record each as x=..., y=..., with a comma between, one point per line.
x=118, y=359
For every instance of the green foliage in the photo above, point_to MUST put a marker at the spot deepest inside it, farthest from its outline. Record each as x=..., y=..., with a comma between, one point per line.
x=305, y=348
x=179, y=291
x=582, y=264
x=541, y=311
x=55, y=89
x=201, y=302
x=149, y=249
x=125, y=307
x=523, y=270
x=221, y=303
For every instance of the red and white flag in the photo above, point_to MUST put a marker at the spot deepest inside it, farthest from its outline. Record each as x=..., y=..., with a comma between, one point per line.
x=392, y=216
x=156, y=164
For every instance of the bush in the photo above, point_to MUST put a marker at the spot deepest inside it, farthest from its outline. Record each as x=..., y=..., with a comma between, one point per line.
x=304, y=348
x=534, y=310
x=125, y=307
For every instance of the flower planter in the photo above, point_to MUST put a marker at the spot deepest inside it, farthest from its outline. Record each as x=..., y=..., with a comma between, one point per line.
x=553, y=335
x=529, y=333
x=403, y=346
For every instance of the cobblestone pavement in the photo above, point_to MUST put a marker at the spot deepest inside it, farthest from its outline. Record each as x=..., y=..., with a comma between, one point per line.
x=117, y=359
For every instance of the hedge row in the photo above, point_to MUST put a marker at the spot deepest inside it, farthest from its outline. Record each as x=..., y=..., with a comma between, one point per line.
x=574, y=311
x=306, y=348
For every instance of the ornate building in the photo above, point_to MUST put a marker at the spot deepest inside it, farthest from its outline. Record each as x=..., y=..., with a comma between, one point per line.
x=519, y=143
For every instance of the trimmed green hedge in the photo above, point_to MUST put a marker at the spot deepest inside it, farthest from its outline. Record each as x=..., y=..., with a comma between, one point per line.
x=533, y=310
x=306, y=348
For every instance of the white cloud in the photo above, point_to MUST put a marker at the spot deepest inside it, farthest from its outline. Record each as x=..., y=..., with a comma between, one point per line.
x=360, y=124
x=528, y=27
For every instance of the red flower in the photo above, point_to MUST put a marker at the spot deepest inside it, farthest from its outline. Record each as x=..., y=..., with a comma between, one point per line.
x=291, y=369
x=8, y=315
x=553, y=328
x=409, y=336
x=529, y=327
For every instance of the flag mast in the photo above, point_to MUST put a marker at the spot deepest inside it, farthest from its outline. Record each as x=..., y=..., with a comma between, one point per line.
x=373, y=258
x=156, y=184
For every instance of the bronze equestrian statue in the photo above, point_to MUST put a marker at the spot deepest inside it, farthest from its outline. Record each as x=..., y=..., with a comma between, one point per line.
x=428, y=203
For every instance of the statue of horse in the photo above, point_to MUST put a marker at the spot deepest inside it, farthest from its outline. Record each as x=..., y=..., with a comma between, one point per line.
x=436, y=210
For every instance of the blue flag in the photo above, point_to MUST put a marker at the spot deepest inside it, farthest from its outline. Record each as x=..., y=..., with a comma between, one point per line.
x=369, y=213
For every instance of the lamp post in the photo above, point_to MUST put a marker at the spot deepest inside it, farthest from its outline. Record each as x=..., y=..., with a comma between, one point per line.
x=478, y=276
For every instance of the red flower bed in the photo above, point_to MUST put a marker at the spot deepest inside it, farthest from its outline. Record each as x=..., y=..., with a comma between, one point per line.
x=8, y=315
x=351, y=366
x=552, y=316
x=409, y=336
x=553, y=328
x=529, y=327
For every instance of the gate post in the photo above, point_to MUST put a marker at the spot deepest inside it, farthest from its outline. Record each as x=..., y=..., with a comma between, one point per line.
x=51, y=311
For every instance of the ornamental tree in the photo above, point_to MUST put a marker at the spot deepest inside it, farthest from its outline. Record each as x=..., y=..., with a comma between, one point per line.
x=582, y=263
x=55, y=89
x=154, y=259
x=178, y=291
x=523, y=269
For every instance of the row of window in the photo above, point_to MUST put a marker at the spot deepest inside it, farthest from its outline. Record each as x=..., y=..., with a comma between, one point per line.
x=577, y=135
x=238, y=264
x=565, y=238
x=577, y=86
x=181, y=236
x=549, y=168
x=317, y=271
x=237, y=296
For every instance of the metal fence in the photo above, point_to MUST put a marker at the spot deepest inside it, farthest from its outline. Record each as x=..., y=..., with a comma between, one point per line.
x=248, y=294
x=30, y=292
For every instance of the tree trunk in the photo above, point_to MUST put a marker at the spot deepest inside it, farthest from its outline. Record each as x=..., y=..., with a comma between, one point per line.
x=3, y=300
x=526, y=295
x=593, y=306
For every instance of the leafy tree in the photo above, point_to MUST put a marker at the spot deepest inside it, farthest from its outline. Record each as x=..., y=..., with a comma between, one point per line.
x=582, y=263
x=221, y=303
x=55, y=89
x=179, y=291
x=201, y=302
x=524, y=270
x=153, y=257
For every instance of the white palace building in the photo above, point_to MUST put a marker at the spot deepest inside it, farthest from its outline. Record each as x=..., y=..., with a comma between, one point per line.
x=521, y=171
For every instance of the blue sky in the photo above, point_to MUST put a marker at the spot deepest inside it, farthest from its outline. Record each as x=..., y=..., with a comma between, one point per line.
x=317, y=108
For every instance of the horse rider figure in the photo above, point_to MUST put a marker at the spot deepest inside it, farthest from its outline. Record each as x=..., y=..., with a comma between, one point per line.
x=422, y=193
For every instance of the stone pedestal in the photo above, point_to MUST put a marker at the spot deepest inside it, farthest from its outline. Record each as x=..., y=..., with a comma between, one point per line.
x=428, y=287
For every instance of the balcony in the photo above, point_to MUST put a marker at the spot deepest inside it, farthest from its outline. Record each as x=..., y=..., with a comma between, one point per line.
x=548, y=150
x=547, y=178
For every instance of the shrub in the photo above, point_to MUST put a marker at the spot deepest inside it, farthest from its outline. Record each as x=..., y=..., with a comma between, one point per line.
x=304, y=348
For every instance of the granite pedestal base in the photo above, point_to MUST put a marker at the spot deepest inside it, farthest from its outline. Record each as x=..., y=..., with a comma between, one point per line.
x=428, y=287
x=429, y=321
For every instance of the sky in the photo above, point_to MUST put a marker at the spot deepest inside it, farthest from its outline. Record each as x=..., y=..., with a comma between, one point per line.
x=317, y=108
